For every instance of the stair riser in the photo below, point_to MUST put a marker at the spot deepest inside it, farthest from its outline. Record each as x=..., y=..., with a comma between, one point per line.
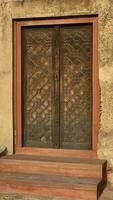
x=81, y=194
x=52, y=168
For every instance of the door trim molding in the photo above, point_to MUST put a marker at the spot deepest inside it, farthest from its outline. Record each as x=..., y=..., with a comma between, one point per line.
x=17, y=25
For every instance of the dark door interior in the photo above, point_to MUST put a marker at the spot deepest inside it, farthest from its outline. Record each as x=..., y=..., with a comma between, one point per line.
x=57, y=86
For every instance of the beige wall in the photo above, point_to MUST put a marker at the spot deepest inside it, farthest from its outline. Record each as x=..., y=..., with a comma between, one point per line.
x=10, y=9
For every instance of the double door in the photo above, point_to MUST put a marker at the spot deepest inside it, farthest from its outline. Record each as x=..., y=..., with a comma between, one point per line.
x=57, y=86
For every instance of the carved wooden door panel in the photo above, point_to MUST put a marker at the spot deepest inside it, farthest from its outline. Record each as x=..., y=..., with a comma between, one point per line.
x=56, y=86
x=76, y=86
x=38, y=90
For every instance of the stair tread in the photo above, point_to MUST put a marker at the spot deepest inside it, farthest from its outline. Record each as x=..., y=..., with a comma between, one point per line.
x=55, y=159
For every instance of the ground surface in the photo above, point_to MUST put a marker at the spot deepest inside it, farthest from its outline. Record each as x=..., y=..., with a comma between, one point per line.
x=107, y=195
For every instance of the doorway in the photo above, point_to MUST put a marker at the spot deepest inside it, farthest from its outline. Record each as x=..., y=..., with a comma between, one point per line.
x=57, y=91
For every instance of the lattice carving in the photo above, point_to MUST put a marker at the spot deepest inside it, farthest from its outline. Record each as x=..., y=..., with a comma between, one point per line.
x=77, y=60
x=40, y=59
x=37, y=70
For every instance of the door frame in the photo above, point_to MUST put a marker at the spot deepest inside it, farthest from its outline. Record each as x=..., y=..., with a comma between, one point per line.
x=17, y=26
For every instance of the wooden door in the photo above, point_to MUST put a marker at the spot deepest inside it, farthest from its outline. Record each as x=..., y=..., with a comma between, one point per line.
x=56, y=64
x=57, y=91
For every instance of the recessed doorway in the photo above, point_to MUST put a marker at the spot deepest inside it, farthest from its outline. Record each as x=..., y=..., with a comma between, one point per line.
x=56, y=79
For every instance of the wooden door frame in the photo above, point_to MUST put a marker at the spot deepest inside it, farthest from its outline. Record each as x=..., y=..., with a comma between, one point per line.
x=17, y=25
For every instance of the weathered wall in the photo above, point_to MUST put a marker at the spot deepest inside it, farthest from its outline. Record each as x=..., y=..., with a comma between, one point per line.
x=36, y=8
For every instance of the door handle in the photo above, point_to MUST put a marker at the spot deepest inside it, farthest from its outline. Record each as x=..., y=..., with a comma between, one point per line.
x=56, y=76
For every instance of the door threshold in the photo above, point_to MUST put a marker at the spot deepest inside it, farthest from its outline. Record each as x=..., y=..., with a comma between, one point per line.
x=57, y=152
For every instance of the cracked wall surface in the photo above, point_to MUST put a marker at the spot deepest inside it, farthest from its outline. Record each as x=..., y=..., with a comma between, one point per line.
x=10, y=9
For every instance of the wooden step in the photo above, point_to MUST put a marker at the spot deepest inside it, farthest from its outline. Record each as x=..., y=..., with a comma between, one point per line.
x=79, y=167
x=46, y=185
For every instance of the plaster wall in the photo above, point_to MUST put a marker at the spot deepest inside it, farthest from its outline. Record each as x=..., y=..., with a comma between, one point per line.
x=10, y=9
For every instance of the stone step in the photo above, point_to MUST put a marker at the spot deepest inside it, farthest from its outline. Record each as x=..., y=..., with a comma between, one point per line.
x=63, y=176
x=79, y=167
x=50, y=185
